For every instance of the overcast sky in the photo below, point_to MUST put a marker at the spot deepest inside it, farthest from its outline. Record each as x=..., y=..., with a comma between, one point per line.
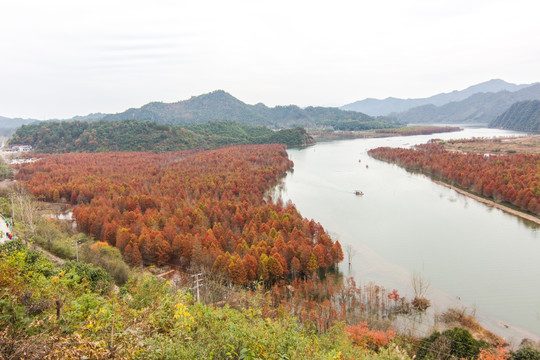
x=64, y=58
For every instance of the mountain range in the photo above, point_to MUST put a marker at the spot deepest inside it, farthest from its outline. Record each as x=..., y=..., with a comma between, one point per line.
x=7, y=123
x=479, y=103
x=376, y=107
x=480, y=108
x=220, y=106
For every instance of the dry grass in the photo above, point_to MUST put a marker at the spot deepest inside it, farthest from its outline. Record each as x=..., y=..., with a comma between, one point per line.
x=522, y=144
x=456, y=317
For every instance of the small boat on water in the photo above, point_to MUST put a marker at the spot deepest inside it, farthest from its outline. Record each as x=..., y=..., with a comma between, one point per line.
x=358, y=192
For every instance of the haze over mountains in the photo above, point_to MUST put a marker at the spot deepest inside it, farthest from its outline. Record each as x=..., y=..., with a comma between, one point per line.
x=479, y=103
x=480, y=108
x=220, y=105
x=376, y=107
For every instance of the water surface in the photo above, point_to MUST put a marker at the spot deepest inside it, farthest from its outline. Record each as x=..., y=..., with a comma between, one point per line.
x=404, y=223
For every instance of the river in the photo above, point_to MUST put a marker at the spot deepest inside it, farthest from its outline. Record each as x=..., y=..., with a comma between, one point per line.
x=472, y=255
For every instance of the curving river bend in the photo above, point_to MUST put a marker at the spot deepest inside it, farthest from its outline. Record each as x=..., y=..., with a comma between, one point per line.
x=472, y=255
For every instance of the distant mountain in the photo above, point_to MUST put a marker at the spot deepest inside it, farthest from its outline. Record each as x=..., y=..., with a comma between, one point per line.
x=521, y=116
x=215, y=106
x=89, y=117
x=221, y=106
x=478, y=108
x=375, y=107
x=8, y=126
x=7, y=123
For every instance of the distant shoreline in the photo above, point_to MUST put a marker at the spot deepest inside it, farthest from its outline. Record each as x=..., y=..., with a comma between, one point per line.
x=491, y=203
x=323, y=136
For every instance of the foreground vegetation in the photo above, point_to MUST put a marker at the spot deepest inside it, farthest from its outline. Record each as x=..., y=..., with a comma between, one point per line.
x=80, y=310
x=73, y=311
x=134, y=135
x=99, y=308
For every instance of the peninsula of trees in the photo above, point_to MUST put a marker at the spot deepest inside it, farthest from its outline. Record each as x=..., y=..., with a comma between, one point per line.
x=509, y=178
x=200, y=209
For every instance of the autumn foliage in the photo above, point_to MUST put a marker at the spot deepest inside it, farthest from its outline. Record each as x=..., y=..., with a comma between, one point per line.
x=363, y=336
x=498, y=353
x=191, y=209
x=511, y=178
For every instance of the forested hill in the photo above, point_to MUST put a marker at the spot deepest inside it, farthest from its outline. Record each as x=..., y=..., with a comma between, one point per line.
x=134, y=135
x=220, y=105
x=522, y=116
x=478, y=108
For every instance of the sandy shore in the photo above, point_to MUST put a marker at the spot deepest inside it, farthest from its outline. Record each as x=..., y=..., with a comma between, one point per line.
x=491, y=203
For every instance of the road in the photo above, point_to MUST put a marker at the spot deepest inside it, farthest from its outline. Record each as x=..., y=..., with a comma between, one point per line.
x=3, y=230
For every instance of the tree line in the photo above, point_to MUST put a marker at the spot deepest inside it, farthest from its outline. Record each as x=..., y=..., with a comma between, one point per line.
x=134, y=135
x=510, y=178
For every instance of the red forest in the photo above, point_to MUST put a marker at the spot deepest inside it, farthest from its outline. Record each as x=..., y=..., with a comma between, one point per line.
x=512, y=178
x=193, y=209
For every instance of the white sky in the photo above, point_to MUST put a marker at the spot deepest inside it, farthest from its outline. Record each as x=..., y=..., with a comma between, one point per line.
x=60, y=58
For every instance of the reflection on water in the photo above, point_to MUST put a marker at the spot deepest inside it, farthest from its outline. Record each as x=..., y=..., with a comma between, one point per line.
x=405, y=223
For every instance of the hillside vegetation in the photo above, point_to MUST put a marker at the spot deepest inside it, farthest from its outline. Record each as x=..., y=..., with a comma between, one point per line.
x=72, y=312
x=133, y=135
x=522, y=116
x=221, y=106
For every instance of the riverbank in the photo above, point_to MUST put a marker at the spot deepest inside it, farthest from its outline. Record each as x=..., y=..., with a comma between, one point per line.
x=381, y=133
x=491, y=203
x=407, y=224
x=529, y=144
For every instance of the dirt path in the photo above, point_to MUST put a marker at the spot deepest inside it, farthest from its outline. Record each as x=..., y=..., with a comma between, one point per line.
x=492, y=203
x=55, y=259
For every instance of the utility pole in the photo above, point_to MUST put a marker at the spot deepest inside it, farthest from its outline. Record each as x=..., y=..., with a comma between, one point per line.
x=77, y=248
x=197, y=283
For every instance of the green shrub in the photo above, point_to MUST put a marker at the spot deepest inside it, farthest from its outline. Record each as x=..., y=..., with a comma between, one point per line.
x=99, y=279
x=456, y=343
x=107, y=257
x=525, y=353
